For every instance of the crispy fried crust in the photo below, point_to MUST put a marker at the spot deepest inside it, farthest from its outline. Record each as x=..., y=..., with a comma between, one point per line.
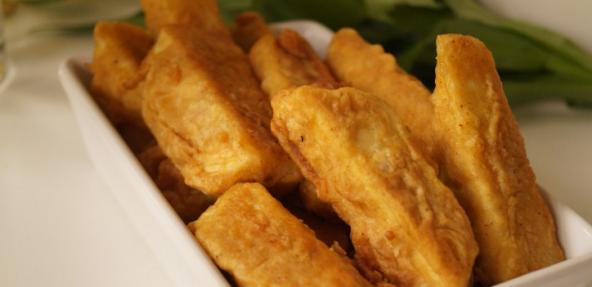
x=406, y=226
x=369, y=68
x=486, y=161
x=186, y=201
x=247, y=29
x=253, y=237
x=287, y=61
x=138, y=139
x=328, y=227
x=203, y=14
x=204, y=107
x=310, y=200
x=119, y=51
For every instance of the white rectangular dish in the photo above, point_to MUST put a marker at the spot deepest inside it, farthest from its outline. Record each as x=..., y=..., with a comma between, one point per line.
x=181, y=258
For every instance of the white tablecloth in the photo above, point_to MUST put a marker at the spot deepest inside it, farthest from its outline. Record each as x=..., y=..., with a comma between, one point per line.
x=59, y=226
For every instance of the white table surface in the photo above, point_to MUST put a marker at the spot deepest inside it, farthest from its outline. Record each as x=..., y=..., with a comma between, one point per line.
x=61, y=227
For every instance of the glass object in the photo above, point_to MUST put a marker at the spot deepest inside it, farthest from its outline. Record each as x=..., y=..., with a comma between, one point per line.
x=8, y=7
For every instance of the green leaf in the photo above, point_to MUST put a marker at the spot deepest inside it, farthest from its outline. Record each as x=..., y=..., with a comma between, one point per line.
x=522, y=92
x=423, y=51
x=380, y=9
x=377, y=31
x=229, y=9
x=561, y=46
x=418, y=21
x=136, y=19
x=512, y=52
x=531, y=72
x=333, y=13
x=582, y=104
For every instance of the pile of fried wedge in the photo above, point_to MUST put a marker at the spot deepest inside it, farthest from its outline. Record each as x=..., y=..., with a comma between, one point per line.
x=292, y=170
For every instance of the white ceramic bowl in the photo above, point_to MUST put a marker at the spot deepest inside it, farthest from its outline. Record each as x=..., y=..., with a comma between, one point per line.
x=183, y=260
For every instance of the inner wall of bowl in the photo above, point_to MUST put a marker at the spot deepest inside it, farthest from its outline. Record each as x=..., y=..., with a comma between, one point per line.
x=575, y=234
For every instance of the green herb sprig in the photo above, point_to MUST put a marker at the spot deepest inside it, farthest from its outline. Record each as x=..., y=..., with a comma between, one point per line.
x=535, y=64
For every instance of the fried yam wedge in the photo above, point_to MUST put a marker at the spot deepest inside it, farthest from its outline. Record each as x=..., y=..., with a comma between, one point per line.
x=327, y=226
x=204, y=106
x=485, y=161
x=197, y=13
x=247, y=29
x=187, y=202
x=287, y=61
x=253, y=237
x=406, y=226
x=368, y=67
x=116, y=67
x=138, y=139
x=311, y=202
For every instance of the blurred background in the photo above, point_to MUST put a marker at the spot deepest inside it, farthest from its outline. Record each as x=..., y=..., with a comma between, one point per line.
x=542, y=49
